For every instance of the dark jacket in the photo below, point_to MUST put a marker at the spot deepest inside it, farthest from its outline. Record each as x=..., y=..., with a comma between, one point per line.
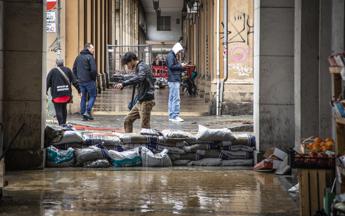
x=174, y=68
x=84, y=67
x=144, y=81
x=59, y=85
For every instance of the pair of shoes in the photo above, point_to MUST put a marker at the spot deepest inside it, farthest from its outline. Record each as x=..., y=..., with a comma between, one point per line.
x=87, y=116
x=177, y=119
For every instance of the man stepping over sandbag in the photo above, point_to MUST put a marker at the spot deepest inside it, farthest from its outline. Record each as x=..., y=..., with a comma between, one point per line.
x=142, y=80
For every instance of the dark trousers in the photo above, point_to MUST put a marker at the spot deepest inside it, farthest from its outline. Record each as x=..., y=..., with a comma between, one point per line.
x=61, y=112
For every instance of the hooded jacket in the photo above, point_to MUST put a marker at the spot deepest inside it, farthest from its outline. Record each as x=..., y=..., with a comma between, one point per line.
x=84, y=67
x=59, y=85
x=144, y=81
x=174, y=67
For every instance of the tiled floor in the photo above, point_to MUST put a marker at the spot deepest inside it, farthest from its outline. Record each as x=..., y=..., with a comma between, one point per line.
x=141, y=191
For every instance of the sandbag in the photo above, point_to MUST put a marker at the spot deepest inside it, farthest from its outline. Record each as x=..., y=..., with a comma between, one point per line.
x=70, y=137
x=195, y=147
x=102, y=163
x=231, y=155
x=187, y=156
x=91, y=153
x=52, y=133
x=105, y=140
x=155, y=160
x=206, y=162
x=149, y=132
x=209, y=153
x=240, y=148
x=244, y=139
x=181, y=162
x=127, y=158
x=133, y=138
x=177, y=134
x=60, y=158
x=206, y=134
x=246, y=162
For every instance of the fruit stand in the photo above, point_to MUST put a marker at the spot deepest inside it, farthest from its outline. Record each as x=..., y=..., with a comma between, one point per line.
x=315, y=164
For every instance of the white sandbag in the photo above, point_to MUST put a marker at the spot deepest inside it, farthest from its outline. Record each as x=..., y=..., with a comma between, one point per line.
x=181, y=162
x=155, y=160
x=102, y=163
x=60, y=158
x=246, y=162
x=127, y=158
x=70, y=137
x=91, y=153
x=172, y=150
x=206, y=134
x=206, y=162
x=177, y=134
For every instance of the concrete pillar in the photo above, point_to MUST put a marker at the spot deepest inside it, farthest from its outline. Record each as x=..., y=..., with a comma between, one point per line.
x=273, y=73
x=325, y=84
x=338, y=18
x=307, y=109
x=23, y=89
x=1, y=77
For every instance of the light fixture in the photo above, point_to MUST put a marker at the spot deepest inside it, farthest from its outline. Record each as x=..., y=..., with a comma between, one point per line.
x=155, y=4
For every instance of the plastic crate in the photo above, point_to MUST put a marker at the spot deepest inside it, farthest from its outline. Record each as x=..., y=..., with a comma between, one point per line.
x=305, y=161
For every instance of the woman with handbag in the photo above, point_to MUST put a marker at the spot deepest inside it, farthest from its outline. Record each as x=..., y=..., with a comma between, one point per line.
x=59, y=81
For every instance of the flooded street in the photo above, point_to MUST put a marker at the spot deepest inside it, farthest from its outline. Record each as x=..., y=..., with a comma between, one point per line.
x=143, y=191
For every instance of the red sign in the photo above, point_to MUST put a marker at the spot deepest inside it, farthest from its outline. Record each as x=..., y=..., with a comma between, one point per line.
x=51, y=4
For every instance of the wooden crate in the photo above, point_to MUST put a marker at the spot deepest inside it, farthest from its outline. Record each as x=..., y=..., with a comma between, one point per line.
x=313, y=183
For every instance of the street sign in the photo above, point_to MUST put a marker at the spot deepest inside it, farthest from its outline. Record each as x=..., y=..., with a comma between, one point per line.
x=51, y=4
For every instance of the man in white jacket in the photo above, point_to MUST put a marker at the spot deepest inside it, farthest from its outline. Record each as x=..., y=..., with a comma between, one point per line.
x=174, y=79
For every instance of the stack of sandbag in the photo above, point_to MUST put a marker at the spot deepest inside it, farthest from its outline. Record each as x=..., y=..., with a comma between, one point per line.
x=216, y=147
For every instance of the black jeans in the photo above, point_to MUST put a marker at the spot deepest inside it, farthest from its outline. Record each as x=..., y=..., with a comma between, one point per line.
x=61, y=112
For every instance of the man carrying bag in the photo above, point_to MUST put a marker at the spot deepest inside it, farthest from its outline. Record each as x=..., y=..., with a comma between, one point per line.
x=59, y=81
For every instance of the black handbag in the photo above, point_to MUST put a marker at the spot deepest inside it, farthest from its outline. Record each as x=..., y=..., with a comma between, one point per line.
x=134, y=100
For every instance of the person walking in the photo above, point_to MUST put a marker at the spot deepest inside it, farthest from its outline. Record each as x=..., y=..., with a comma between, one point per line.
x=174, y=80
x=143, y=81
x=85, y=70
x=59, y=81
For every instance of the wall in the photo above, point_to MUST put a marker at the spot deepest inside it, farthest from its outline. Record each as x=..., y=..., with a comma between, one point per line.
x=200, y=36
x=155, y=35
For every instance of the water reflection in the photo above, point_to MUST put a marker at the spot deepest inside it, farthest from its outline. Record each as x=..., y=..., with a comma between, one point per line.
x=203, y=191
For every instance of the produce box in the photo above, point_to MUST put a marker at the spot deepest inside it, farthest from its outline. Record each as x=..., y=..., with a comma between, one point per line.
x=312, y=160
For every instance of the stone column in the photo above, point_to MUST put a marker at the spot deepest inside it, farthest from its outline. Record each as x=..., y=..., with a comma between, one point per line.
x=325, y=84
x=307, y=110
x=23, y=89
x=338, y=18
x=273, y=73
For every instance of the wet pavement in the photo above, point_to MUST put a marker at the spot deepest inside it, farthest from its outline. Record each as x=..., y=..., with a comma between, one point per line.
x=114, y=102
x=143, y=191
x=236, y=123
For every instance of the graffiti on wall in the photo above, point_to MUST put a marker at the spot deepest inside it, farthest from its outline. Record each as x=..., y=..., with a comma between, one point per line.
x=240, y=40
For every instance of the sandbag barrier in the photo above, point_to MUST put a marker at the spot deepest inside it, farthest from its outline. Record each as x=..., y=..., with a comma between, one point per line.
x=67, y=147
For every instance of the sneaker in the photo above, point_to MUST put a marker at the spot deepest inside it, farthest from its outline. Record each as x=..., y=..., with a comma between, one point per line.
x=178, y=119
x=85, y=118
x=89, y=116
